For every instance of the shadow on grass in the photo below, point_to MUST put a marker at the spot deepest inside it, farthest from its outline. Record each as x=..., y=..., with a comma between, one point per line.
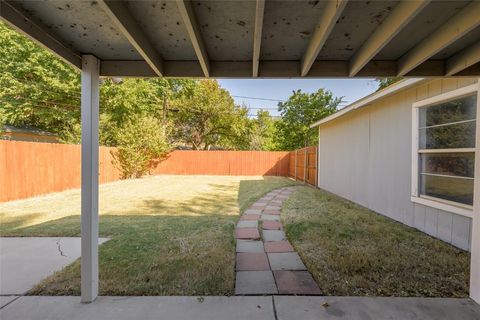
x=161, y=246
x=153, y=255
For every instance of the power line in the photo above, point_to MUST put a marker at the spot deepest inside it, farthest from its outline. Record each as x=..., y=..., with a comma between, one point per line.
x=256, y=98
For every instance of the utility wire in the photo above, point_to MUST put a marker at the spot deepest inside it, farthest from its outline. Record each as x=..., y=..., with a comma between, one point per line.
x=256, y=98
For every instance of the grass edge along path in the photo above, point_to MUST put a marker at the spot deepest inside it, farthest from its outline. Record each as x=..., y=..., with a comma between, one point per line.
x=353, y=251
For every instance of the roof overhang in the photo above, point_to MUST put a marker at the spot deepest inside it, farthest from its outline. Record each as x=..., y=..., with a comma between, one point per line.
x=388, y=91
x=258, y=38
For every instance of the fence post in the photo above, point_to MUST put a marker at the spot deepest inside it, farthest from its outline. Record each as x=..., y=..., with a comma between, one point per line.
x=316, y=166
x=305, y=164
x=296, y=160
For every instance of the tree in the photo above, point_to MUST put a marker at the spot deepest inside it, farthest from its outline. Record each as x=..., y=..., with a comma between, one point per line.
x=207, y=117
x=385, y=82
x=127, y=98
x=263, y=132
x=299, y=112
x=38, y=89
x=142, y=143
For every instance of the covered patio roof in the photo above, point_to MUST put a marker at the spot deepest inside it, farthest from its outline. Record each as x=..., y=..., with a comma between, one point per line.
x=263, y=38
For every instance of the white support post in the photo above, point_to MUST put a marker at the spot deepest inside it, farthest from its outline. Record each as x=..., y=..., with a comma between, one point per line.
x=89, y=223
x=475, y=256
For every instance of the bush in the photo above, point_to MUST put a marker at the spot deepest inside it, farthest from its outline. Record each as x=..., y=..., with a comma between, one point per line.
x=142, y=144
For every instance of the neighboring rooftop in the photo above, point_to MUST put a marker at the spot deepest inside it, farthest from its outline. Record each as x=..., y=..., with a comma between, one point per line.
x=25, y=133
x=26, y=130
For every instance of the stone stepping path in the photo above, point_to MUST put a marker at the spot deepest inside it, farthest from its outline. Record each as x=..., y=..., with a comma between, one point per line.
x=266, y=263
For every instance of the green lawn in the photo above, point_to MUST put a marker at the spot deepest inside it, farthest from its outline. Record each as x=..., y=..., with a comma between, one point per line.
x=173, y=235
x=170, y=235
x=351, y=250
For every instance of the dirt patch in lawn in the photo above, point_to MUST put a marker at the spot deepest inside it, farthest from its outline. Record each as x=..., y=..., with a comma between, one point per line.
x=352, y=251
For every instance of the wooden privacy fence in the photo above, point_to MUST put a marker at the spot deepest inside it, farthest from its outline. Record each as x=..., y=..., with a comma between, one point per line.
x=225, y=163
x=303, y=165
x=30, y=168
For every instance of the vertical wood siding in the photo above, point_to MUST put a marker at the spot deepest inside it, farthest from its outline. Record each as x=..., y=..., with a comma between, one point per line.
x=32, y=168
x=225, y=163
x=303, y=165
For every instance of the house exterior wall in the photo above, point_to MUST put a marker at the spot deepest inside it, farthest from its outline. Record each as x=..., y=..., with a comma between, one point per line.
x=14, y=136
x=365, y=156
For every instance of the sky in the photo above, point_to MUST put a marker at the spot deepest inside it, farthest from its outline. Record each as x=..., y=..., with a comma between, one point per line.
x=281, y=89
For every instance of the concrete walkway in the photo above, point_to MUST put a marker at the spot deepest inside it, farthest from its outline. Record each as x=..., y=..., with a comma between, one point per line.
x=266, y=263
x=24, y=262
x=239, y=308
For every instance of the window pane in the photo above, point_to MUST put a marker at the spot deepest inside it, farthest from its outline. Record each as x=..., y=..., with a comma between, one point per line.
x=452, y=111
x=461, y=135
x=452, y=189
x=451, y=164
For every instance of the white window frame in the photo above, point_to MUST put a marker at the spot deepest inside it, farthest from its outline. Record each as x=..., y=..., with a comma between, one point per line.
x=450, y=206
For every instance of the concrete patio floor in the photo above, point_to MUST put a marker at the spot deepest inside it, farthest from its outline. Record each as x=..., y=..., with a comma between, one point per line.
x=240, y=307
x=24, y=262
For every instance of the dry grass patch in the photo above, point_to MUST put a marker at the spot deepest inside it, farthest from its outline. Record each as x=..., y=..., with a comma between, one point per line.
x=352, y=251
x=170, y=235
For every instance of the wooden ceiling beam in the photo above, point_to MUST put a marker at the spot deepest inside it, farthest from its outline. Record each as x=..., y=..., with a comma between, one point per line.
x=403, y=13
x=330, y=14
x=257, y=36
x=190, y=20
x=21, y=21
x=456, y=27
x=463, y=60
x=124, y=21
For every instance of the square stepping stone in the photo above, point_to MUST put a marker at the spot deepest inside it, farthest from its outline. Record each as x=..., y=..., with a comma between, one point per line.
x=247, y=224
x=255, y=282
x=273, y=208
x=252, y=261
x=273, y=235
x=286, y=261
x=271, y=225
x=271, y=211
x=278, y=246
x=249, y=246
x=296, y=282
x=247, y=217
x=247, y=233
x=270, y=217
x=253, y=211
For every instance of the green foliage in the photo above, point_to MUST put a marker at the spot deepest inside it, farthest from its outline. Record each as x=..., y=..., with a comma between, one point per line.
x=127, y=98
x=38, y=89
x=207, y=117
x=142, y=143
x=385, y=82
x=299, y=112
x=263, y=132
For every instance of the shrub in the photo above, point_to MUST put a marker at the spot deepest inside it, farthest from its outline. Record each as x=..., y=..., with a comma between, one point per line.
x=142, y=143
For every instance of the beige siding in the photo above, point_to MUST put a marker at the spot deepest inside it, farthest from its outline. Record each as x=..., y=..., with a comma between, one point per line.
x=365, y=156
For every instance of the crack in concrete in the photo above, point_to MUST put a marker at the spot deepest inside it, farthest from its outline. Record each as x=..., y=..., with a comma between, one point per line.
x=59, y=247
x=9, y=301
